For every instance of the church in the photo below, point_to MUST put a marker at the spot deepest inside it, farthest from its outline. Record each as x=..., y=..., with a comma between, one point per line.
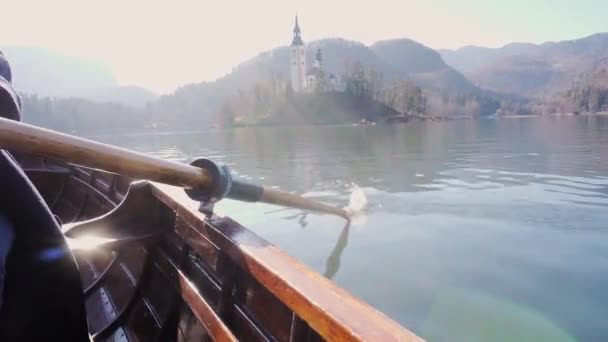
x=311, y=79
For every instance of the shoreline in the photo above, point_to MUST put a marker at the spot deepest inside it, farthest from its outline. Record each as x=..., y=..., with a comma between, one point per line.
x=166, y=130
x=515, y=116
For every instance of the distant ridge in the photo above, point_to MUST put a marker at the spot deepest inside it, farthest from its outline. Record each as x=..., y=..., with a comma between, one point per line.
x=529, y=69
x=44, y=73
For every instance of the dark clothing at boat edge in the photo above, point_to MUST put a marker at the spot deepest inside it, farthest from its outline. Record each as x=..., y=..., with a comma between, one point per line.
x=41, y=294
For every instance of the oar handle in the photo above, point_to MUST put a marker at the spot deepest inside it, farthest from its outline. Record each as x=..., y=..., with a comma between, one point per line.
x=45, y=143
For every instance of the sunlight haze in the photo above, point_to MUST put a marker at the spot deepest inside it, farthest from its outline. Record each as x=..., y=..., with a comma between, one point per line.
x=162, y=45
x=436, y=169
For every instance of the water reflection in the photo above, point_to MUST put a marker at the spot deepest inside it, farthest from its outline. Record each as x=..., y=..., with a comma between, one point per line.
x=301, y=217
x=332, y=265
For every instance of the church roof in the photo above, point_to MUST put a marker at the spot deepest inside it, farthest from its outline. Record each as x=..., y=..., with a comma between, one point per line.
x=297, y=38
x=297, y=41
x=296, y=29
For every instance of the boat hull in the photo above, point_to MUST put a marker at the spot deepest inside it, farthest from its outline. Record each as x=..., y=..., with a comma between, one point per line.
x=174, y=274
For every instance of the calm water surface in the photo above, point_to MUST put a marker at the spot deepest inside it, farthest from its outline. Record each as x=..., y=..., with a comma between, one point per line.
x=476, y=231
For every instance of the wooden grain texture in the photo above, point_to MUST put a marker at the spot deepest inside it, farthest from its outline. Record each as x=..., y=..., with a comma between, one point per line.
x=54, y=145
x=203, y=312
x=331, y=311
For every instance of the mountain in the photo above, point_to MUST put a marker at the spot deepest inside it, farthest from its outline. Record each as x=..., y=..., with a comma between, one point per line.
x=529, y=69
x=517, y=74
x=421, y=64
x=469, y=58
x=47, y=73
x=392, y=58
x=408, y=56
x=597, y=76
x=588, y=93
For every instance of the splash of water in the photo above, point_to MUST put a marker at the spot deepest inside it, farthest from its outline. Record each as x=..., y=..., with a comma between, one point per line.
x=357, y=203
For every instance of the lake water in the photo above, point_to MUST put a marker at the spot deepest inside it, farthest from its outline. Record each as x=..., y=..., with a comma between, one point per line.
x=490, y=230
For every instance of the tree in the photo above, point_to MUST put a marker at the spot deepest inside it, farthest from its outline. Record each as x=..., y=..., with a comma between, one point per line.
x=472, y=107
x=226, y=116
x=405, y=97
x=375, y=83
x=357, y=84
x=595, y=100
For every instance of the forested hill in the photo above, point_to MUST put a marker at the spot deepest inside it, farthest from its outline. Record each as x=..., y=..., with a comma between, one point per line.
x=402, y=74
x=393, y=59
x=530, y=69
x=388, y=63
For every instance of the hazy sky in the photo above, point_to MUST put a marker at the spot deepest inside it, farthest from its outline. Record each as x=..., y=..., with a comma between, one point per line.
x=164, y=44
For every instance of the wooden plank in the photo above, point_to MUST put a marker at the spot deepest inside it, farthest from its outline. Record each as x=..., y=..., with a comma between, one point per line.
x=141, y=322
x=206, y=250
x=192, y=296
x=103, y=181
x=190, y=329
x=247, y=329
x=134, y=296
x=301, y=332
x=203, y=312
x=263, y=307
x=206, y=285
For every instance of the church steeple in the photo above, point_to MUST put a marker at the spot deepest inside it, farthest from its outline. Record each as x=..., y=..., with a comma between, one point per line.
x=297, y=38
x=296, y=29
x=298, y=60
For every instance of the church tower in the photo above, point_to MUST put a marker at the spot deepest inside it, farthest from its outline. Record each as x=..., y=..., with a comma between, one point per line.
x=298, y=60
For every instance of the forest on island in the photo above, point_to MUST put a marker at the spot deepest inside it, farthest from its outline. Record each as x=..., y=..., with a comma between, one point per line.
x=366, y=95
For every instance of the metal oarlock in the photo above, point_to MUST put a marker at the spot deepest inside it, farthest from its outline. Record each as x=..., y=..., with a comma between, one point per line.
x=220, y=185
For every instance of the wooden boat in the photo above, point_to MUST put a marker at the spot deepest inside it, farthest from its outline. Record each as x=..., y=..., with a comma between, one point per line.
x=179, y=275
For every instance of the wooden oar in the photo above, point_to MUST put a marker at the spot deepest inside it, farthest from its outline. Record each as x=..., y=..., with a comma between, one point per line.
x=45, y=143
